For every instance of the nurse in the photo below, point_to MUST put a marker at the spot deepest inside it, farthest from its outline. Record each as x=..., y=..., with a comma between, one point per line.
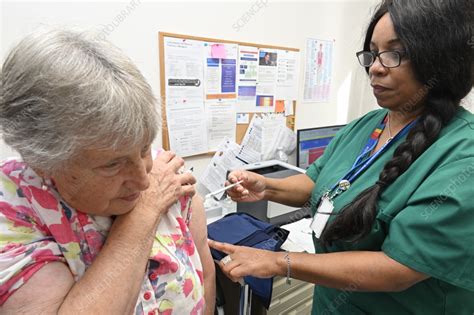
x=393, y=194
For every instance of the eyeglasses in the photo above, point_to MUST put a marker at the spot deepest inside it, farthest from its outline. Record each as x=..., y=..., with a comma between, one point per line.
x=388, y=59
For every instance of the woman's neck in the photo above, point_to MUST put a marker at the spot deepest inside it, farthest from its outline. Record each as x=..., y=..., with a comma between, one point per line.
x=401, y=118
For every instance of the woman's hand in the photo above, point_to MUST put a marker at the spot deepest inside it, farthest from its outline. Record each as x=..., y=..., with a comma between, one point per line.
x=251, y=189
x=167, y=184
x=247, y=261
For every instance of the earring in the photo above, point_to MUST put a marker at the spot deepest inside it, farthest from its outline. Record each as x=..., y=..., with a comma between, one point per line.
x=45, y=185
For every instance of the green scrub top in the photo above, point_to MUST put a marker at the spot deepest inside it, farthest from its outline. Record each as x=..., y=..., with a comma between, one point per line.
x=425, y=220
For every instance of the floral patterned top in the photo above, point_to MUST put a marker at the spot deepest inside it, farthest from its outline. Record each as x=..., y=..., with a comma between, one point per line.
x=38, y=227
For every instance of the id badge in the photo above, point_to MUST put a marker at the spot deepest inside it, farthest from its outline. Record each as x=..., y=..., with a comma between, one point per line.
x=322, y=216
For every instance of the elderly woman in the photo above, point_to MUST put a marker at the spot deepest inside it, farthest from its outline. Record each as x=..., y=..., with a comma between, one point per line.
x=89, y=222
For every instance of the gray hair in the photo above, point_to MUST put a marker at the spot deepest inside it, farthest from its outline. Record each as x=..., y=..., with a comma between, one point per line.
x=64, y=91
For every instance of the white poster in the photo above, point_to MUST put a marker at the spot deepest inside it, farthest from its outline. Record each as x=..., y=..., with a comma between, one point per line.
x=287, y=75
x=221, y=122
x=187, y=130
x=318, y=70
x=266, y=80
x=247, y=79
x=185, y=111
x=184, y=71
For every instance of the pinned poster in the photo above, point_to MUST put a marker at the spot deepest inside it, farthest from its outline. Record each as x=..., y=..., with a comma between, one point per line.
x=247, y=79
x=218, y=51
x=287, y=75
x=187, y=130
x=318, y=70
x=221, y=122
x=266, y=80
x=280, y=106
x=220, y=71
x=185, y=96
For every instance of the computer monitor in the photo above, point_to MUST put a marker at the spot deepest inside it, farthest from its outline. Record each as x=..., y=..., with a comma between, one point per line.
x=311, y=143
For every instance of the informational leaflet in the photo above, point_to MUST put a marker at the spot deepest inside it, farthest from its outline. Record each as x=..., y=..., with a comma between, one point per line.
x=273, y=126
x=318, y=70
x=221, y=122
x=266, y=80
x=251, y=147
x=247, y=79
x=214, y=176
x=287, y=75
x=220, y=70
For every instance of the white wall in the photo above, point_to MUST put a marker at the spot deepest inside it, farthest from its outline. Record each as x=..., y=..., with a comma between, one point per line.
x=286, y=23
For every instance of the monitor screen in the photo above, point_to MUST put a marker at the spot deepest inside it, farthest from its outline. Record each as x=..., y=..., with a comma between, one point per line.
x=311, y=143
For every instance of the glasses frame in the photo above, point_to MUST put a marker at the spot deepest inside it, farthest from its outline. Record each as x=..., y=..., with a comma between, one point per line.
x=401, y=54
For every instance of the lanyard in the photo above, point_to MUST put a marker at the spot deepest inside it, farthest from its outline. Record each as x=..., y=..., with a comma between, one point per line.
x=363, y=161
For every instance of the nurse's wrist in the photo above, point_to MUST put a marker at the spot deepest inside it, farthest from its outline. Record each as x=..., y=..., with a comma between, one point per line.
x=281, y=266
x=269, y=192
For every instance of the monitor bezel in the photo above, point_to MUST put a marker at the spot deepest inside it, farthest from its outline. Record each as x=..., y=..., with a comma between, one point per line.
x=306, y=129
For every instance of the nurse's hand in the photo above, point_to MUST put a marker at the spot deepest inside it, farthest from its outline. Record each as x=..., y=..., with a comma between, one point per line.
x=251, y=189
x=247, y=261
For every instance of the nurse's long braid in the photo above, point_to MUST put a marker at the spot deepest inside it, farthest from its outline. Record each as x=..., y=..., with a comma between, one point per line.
x=356, y=219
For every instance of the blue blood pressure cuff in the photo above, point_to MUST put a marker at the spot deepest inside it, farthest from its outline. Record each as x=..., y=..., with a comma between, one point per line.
x=245, y=230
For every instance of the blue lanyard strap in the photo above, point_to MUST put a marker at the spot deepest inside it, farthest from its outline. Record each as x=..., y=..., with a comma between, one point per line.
x=362, y=162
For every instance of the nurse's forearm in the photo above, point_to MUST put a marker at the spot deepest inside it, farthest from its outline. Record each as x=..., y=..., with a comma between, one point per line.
x=351, y=271
x=292, y=191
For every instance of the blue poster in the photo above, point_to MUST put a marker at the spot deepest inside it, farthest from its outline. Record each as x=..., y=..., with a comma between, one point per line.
x=228, y=75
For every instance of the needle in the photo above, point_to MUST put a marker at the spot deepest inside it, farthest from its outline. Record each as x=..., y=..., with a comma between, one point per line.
x=222, y=189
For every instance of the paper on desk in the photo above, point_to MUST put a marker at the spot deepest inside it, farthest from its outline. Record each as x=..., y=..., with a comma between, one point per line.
x=300, y=237
x=224, y=159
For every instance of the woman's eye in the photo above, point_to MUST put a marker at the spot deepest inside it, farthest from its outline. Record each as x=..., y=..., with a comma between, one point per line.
x=112, y=165
x=146, y=149
x=110, y=169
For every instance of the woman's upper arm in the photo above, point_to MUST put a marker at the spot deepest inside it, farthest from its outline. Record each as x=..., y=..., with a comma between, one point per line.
x=43, y=293
x=197, y=224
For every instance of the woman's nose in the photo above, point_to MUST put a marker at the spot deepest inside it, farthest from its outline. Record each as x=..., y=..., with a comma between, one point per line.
x=377, y=68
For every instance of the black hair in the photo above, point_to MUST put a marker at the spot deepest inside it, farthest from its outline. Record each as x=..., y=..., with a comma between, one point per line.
x=438, y=38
